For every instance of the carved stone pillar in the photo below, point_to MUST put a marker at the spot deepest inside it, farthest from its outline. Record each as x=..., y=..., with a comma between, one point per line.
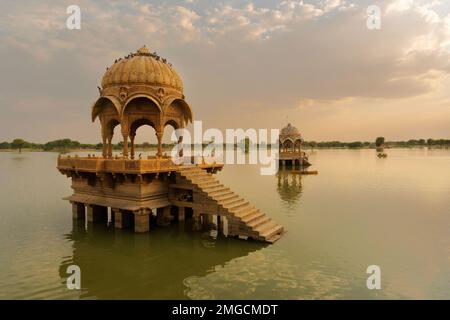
x=141, y=221
x=132, y=146
x=159, y=136
x=105, y=145
x=125, y=145
x=109, y=143
x=180, y=144
x=78, y=211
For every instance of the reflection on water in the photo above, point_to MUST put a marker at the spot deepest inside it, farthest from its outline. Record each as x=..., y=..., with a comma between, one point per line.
x=289, y=186
x=121, y=264
x=360, y=210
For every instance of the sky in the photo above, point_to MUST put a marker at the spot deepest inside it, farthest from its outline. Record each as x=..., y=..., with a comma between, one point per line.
x=244, y=64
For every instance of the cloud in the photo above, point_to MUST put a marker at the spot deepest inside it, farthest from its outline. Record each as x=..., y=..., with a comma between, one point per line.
x=232, y=55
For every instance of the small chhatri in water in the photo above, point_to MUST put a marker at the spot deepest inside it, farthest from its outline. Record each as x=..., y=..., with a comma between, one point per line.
x=143, y=89
x=290, y=141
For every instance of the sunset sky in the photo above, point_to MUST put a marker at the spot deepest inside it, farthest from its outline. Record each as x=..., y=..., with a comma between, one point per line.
x=245, y=64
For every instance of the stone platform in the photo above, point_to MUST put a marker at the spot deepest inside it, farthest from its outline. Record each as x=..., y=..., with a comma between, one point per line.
x=138, y=190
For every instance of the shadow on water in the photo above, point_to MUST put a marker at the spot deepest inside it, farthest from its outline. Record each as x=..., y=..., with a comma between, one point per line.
x=119, y=263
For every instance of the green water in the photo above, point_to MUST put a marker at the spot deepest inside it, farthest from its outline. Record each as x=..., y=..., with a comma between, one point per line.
x=359, y=211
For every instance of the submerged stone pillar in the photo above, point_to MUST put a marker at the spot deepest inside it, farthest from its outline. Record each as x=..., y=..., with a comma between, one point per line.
x=233, y=227
x=78, y=211
x=117, y=214
x=220, y=224
x=181, y=213
x=122, y=218
x=206, y=219
x=97, y=213
x=163, y=216
x=141, y=221
x=196, y=218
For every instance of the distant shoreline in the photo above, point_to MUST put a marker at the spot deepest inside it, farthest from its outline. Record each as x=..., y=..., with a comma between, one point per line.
x=445, y=147
x=68, y=145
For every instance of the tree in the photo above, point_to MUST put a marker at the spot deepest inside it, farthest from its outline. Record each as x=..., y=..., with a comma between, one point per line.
x=5, y=145
x=379, y=142
x=356, y=144
x=19, y=144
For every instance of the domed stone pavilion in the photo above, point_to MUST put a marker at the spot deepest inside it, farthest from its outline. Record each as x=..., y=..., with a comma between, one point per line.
x=121, y=191
x=290, y=143
x=140, y=89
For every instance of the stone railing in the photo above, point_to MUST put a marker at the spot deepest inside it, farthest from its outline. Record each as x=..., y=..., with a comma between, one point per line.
x=97, y=164
x=121, y=165
x=291, y=154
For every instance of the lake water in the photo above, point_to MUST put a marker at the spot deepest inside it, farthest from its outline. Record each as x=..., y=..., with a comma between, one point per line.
x=359, y=211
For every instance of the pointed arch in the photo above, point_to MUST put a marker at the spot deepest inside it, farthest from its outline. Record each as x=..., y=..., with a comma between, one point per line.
x=172, y=105
x=103, y=102
x=141, y=96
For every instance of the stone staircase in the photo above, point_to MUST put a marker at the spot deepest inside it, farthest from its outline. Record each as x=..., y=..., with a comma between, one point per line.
x=246, y=219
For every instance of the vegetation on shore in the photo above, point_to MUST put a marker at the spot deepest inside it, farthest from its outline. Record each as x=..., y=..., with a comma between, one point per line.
x=380, y=142
x=66, y=145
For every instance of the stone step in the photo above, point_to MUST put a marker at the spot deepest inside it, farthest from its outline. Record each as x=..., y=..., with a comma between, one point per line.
x=208, y=184
x=253, y=221
x=243, y=212
x=231, y=201
x=274, y=238
x=265, y=226
x=246, y=216
x=256, y=219
x=277, y=229
x=237, y=205
x=215, y=190
x=224, y=196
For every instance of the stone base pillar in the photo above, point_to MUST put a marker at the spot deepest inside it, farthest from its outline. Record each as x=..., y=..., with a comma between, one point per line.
x=163, y=216
x=97, y=213
x=220, y=224
x=206, y=220
x=233, y=227
x=78, y=211
x=181, y=213
x=197, y=221
x=122, y=219
x=141, y=221
x=117, y=214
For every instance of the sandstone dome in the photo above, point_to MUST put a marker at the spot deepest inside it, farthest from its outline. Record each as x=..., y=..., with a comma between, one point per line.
x=290, y=130
x=143, y=68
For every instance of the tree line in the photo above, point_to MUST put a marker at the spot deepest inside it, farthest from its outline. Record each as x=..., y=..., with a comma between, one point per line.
x=64, y=145
x=68, y=144
x=379, y=142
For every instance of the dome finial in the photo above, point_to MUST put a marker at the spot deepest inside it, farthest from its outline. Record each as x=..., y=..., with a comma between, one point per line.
x=143, y=50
